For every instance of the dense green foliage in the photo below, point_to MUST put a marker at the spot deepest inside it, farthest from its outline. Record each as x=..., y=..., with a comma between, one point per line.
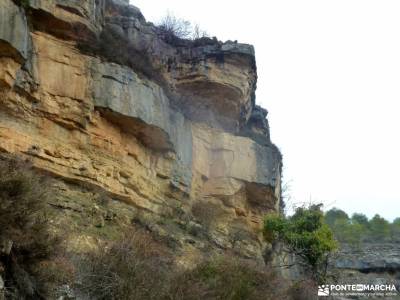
x=357, y=228
x=305, y=234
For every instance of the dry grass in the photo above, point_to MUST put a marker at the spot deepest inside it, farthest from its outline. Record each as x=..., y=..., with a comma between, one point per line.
x=206, y=213
x=138, y=267
x=132, y=268
x=23, y=206
x=24, y=225
x=303, y=290
x=225, y=277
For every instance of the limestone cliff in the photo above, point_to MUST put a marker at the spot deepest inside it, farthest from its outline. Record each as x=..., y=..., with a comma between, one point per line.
x=92, y=95
x=370, y=263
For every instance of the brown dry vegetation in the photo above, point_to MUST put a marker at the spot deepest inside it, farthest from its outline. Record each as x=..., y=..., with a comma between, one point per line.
x=24, y=232
x=137, y=267
x=134, y=265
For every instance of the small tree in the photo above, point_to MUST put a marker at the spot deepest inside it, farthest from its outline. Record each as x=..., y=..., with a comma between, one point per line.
x=348, y=232
x=334, y=214
x=304, y=234
x=172, y=28
x=359, y=219
x=395, y=229
x=396, y=222
x=379, y=228
x=198, y=33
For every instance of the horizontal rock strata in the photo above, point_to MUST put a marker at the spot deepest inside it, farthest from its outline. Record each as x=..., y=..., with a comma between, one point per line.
x=92, y=94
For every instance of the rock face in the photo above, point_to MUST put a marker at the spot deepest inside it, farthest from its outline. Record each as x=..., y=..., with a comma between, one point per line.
x=371, y=263
x=92, y=94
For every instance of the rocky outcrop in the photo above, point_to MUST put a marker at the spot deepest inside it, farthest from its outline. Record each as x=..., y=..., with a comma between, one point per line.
x=369, y=263
x=93, y=95
x=14, y=32
x=370, y=257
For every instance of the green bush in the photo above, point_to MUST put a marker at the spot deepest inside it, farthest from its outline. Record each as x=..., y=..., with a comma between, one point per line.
x=226, y=278
x=304, y=234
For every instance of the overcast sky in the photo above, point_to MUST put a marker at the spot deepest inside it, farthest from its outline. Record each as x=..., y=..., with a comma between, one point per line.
x=329, y=74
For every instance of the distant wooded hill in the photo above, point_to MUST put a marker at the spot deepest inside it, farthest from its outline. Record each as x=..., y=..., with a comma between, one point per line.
x=358, y=228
